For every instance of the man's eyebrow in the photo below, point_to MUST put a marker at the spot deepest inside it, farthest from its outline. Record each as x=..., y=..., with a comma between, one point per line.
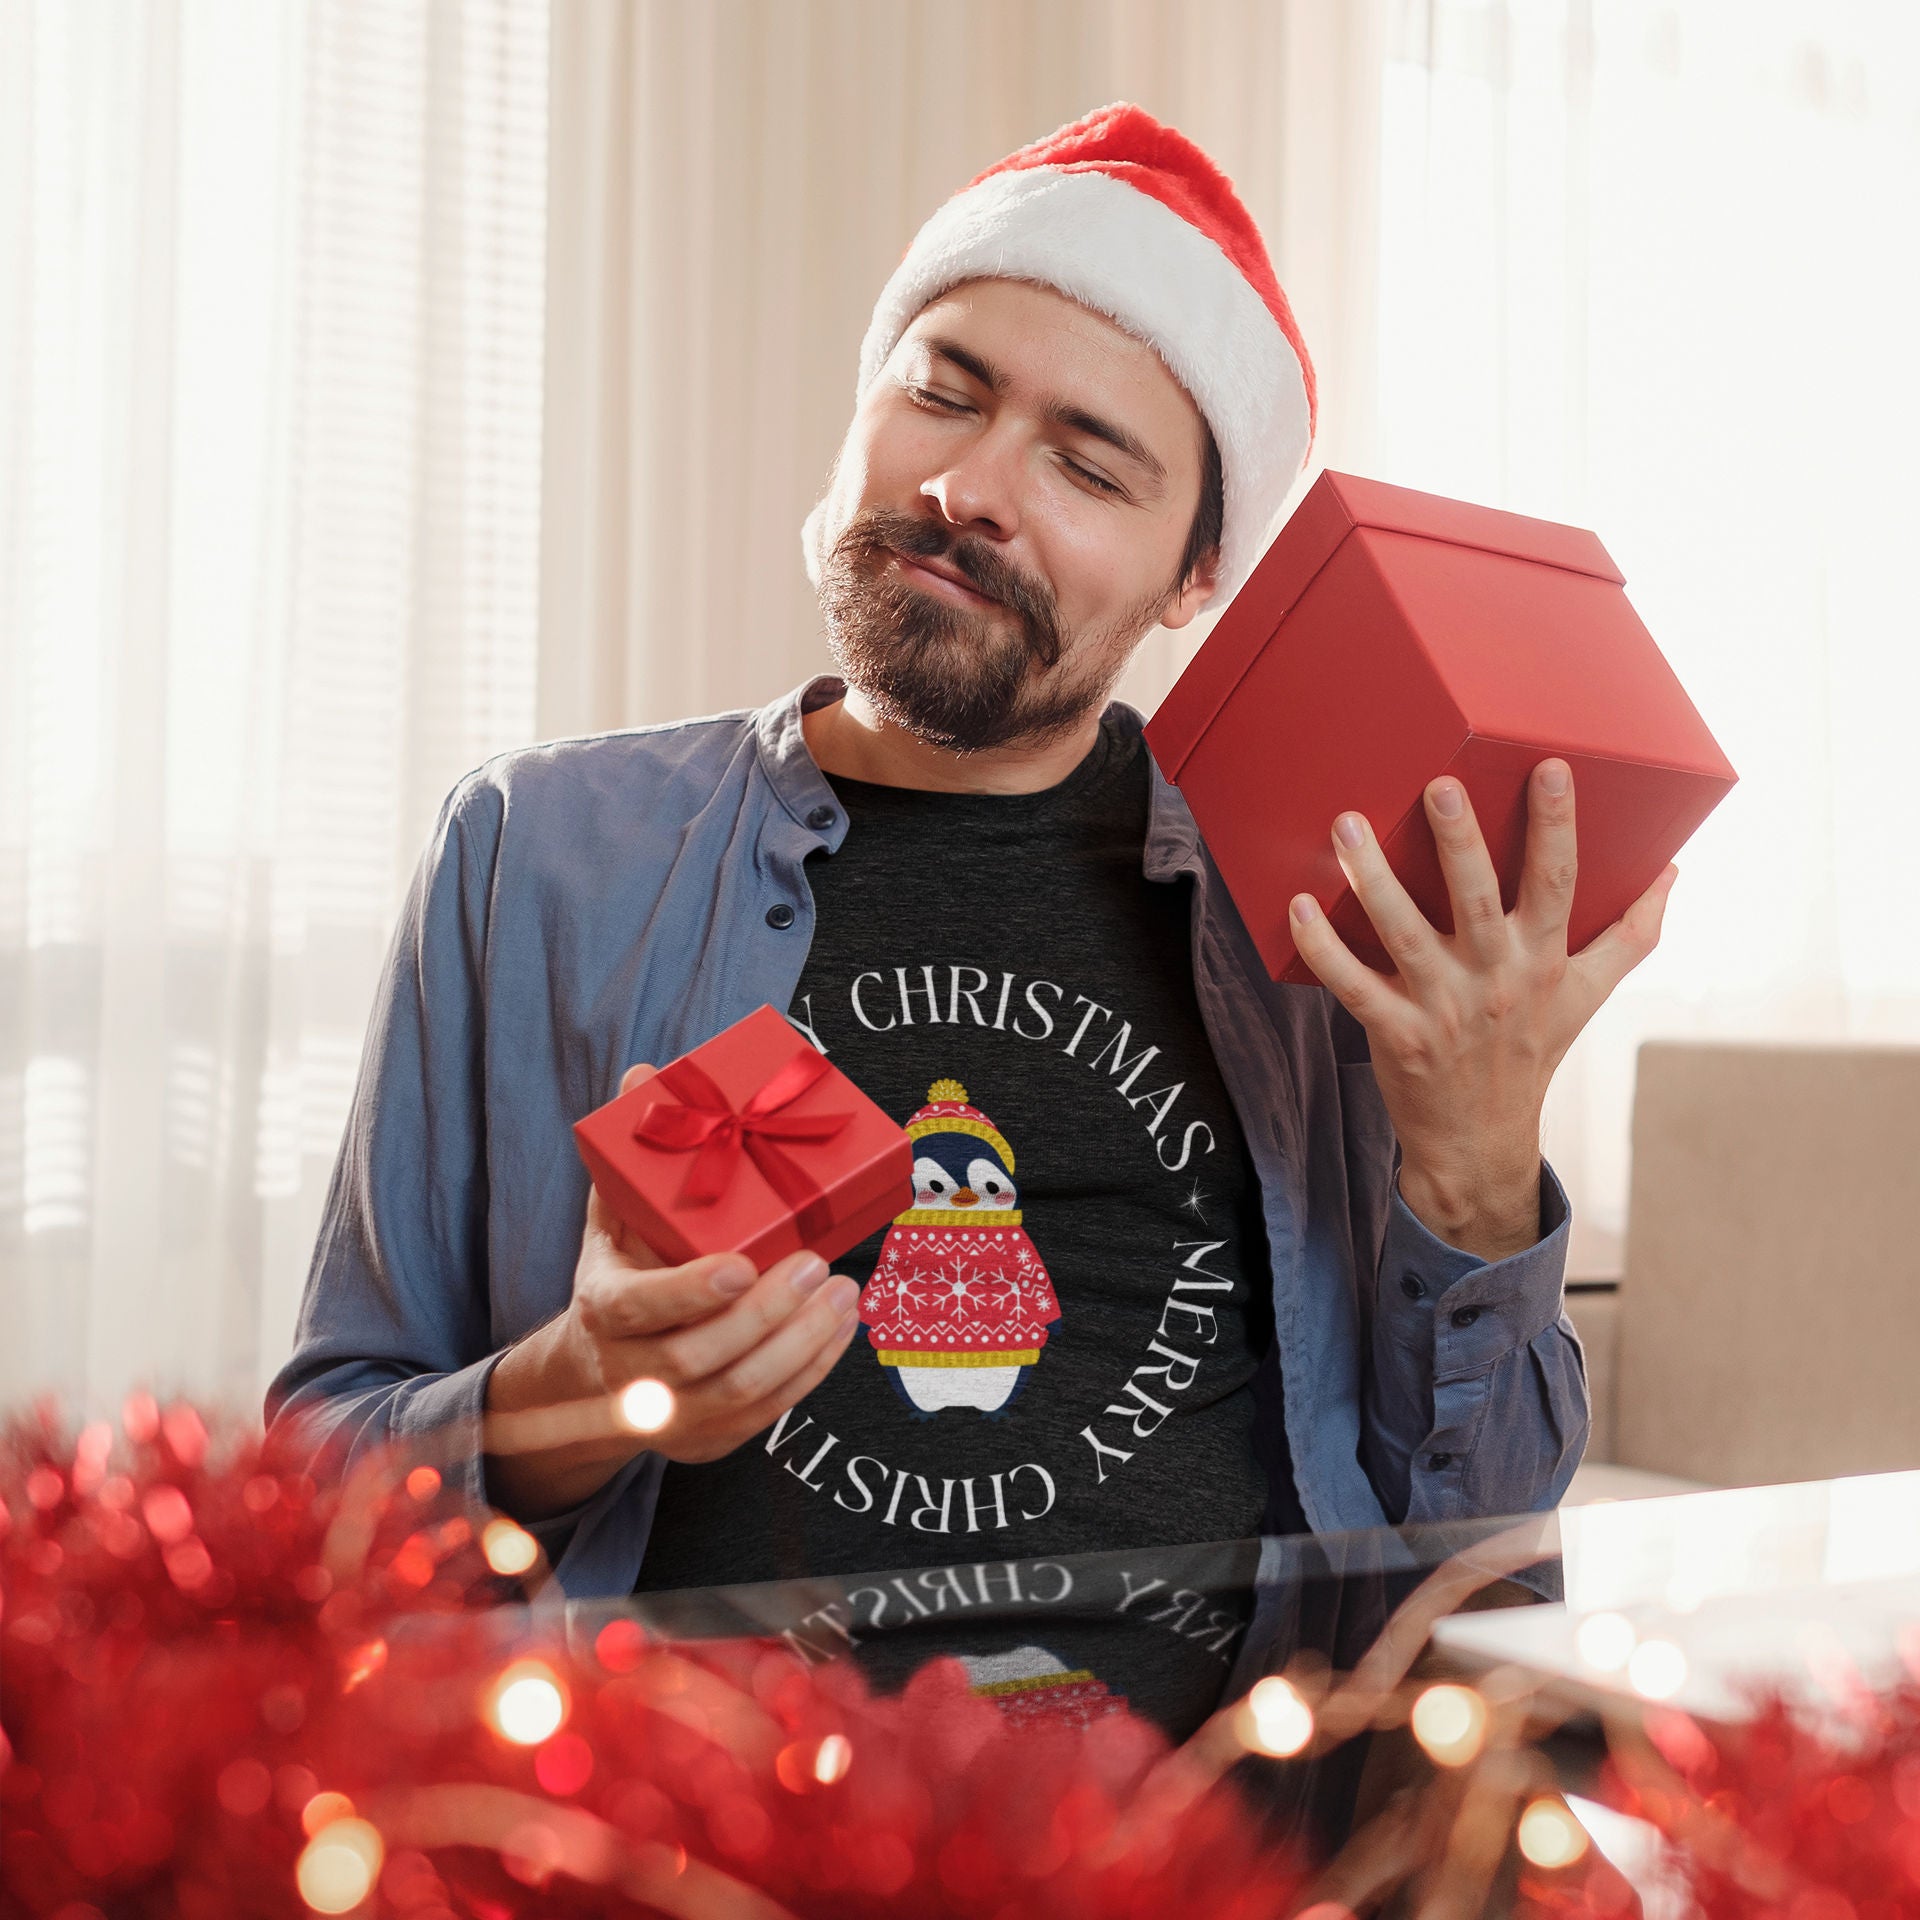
x=1060, y=412
x=969, y=362
x=1081, y=421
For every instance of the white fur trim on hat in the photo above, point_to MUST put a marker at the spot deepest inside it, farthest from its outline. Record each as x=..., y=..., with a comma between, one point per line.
x=1129, y=256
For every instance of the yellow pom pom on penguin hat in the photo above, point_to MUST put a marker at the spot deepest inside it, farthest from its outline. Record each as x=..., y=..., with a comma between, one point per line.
x=947, y=1111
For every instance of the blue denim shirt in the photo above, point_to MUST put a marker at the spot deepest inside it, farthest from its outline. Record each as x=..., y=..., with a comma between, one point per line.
x=593, y=902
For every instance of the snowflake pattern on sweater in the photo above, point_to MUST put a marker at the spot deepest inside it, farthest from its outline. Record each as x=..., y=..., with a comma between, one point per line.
x=959, y=1290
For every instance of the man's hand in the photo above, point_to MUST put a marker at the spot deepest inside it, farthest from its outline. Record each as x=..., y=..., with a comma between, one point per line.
x=1467, y=1037
x=737, y=1349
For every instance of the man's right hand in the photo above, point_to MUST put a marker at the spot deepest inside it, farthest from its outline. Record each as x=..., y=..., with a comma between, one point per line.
x=737, y=1350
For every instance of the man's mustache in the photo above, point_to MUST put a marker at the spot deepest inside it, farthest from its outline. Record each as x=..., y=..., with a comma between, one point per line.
x=983, y=570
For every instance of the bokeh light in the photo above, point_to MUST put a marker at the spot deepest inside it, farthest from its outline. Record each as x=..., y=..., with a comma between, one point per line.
x=619, y=1645
x=423, y=1482
x=645, y=1406
x=1657, y=1670
x=323, y=1810
x=337, y=1870
x=1451, y=1725
x=169, y=1517
x=1275, y=1719
x=564, y=1765
x=244, y=1786
x=528, y=1703
x=508, y=1548
x=1549, y=1835
x=1605, y=1641
x=833, y=1759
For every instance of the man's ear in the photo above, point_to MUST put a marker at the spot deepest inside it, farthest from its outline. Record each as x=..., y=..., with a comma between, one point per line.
x=1193, y=596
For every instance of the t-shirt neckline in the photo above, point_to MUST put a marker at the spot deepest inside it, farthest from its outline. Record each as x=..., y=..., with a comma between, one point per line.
x=1110, y=755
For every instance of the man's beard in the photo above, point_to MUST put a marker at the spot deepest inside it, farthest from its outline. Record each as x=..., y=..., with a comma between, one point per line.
x=957, y=677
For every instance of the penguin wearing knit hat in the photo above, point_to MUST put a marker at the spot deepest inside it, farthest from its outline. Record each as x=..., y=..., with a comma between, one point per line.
x=960, y=1302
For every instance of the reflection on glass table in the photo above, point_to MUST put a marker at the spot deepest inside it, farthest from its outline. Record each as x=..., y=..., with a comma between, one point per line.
x=1179, y=1634
x=1599, y=1609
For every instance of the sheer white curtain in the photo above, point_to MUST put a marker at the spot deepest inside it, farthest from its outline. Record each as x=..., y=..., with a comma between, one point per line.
x=270, y=386
x=366, y=407
x=1651, y=268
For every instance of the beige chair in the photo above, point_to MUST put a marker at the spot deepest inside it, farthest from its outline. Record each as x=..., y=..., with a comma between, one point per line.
x=1768, y=1321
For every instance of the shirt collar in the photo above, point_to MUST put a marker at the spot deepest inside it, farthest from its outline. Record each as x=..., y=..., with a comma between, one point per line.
x=1172, y=845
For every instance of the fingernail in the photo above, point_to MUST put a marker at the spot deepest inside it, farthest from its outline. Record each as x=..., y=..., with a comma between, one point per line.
x=1305, y=908
x=1350, y=830
x=1553, y=778
x=844, y=1293
x=1448, y=798
x=808, y=1274
x=735, y=1277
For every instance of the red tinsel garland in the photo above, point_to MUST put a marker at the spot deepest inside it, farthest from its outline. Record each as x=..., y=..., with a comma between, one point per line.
x=1782, y=1816
x=228, y=1691
x=1779, y=1818
x=225, y=1690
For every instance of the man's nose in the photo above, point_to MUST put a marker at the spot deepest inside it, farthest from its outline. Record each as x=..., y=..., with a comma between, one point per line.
x=979, y=491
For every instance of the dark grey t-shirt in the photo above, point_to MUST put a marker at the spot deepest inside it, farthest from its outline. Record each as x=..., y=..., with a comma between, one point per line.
x=1059, y=1337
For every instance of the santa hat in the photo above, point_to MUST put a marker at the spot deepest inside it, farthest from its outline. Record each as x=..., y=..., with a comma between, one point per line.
x=1132, y=219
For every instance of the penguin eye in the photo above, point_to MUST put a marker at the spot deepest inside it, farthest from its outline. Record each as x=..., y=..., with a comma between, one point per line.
x=931, y=1177
x=984, y=1177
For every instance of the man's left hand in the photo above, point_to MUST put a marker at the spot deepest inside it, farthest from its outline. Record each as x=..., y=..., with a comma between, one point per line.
x=1466, y=1038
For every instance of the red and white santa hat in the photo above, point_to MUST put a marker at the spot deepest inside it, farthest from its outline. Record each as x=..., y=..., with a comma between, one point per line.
x=1129, y=217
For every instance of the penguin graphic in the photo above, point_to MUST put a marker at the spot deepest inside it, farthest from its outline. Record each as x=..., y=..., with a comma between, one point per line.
x=960, y=1302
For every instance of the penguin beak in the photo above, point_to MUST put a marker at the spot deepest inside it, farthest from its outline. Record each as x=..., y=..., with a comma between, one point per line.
x=963, y=1197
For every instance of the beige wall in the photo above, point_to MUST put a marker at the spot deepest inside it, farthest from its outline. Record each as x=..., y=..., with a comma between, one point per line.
x=1769, y=1316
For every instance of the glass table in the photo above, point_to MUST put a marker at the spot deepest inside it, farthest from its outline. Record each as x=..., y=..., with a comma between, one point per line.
x=1696, y=1597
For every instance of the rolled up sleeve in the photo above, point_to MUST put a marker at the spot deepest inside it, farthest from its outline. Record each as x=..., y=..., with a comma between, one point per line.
x=1477, y=1392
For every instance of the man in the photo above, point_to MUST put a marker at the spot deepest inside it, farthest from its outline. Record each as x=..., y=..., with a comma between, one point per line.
x=1191, y=1255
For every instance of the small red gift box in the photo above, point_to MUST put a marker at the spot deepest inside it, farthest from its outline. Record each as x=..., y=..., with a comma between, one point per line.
x=753, y=1143
x=1389, y=636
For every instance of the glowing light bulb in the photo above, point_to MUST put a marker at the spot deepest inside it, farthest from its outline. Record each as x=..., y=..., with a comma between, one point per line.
x=1550, y=1836
x=339, y=1865
x=645, y=1406
x=1605, y=1641
x=1451, y=1725
x=528, y=1705
x=1657, y=1670
x=1275, y=1720
x=508, y=1548
x=833, y=1759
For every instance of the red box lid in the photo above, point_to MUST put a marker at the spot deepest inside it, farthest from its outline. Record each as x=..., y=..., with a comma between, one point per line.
x=1333, y=507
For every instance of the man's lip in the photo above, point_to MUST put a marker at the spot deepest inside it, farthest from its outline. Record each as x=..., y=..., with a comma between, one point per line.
x=945, y=573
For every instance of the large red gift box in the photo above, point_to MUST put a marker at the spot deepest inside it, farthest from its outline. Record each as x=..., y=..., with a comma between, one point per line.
x=1389, y=636
x=753, y=1143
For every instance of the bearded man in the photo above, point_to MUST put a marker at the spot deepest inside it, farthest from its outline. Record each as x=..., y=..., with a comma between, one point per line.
x=1291, y=1257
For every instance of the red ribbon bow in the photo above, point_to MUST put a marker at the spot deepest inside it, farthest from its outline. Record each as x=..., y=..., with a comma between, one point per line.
x=701, y=1120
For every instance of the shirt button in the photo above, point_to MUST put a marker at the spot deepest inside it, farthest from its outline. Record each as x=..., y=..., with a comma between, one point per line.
x=1439, y=1462
x=1466, y=1316
x=820, y=818
x=1412, y=1286
x=779, y=914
